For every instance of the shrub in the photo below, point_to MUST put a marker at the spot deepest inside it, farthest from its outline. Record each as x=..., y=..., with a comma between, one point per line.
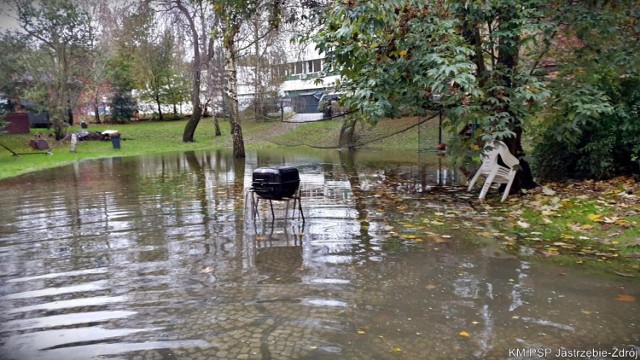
x=600, y=144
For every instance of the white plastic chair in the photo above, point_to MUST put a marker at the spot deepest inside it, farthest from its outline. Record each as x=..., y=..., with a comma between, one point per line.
x=495, y=172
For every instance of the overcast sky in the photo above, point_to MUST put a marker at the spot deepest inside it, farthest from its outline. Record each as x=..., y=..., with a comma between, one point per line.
x=7, y=21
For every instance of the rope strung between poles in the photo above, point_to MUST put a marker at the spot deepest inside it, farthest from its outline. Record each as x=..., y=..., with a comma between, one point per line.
x=361, y=143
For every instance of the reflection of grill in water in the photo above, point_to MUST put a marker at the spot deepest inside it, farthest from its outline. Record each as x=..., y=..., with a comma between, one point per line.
x=275, y=182
x=280, y=263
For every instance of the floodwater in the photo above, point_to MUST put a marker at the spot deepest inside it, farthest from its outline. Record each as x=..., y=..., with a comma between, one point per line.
x=160, y=257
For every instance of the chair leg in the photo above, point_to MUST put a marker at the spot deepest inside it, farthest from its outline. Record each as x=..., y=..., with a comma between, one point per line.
x=487, y=183
x=473, y=180
x=508, y=187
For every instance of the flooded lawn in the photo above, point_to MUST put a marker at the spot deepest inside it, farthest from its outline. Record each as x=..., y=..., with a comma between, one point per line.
x=159, y=258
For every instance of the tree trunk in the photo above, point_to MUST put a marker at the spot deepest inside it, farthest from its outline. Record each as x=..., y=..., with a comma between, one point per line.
x=96, y=114
x=192, y=124
x=347, y=135
x=508, y=58
x=160, y=117
x=232, y=93
x=524, y=177
x=58, y=124
x=216, y=124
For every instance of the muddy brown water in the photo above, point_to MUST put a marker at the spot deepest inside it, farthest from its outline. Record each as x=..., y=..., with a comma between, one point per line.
x=159, y=257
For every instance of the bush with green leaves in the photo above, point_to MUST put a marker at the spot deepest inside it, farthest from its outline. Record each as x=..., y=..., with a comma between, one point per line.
x=595, y=135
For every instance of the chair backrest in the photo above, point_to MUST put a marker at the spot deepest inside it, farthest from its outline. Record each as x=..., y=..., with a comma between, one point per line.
x=490, y=156
x=506, y=155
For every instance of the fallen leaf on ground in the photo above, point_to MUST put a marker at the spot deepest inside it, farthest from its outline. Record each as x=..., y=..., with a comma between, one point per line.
x=595, y=217
x=624, y=274
x=547, y=191
x=626, y=298
x=463, y=334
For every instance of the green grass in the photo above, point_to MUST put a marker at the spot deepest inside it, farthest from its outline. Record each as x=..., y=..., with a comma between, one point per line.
x=389, y=134
x=137, y=138
x=157, y=137
x=600, y=230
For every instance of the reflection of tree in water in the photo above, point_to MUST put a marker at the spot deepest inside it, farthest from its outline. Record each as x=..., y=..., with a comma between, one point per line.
x=359, y=196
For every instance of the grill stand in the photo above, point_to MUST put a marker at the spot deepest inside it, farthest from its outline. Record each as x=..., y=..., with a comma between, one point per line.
x=254, y=198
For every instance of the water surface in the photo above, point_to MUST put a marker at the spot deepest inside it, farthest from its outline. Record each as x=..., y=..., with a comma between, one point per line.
x=158, y=257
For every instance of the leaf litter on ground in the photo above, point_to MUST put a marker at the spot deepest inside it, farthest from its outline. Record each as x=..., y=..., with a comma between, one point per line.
x=581, y=222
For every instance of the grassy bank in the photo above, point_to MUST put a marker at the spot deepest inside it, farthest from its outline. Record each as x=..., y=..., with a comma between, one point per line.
x=156, y=137
x=137, y=138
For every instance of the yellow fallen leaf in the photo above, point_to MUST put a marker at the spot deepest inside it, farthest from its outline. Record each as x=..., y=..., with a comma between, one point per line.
x=463, y=333
x=397, y=349
x=595, y=217
x=622, y=222
x=361, y=332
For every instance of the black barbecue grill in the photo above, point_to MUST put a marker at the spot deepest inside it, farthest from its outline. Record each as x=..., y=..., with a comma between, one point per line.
x=275, y=183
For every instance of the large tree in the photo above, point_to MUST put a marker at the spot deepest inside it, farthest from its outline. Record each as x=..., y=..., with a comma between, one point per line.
x=469, y=57
x=63, y=35
x=154, y=63
x=197, y=17
x=13, y=65
x=235, y=16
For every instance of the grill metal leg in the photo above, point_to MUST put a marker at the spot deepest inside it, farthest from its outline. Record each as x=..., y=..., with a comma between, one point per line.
x=273, y=215
x=255, y=199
